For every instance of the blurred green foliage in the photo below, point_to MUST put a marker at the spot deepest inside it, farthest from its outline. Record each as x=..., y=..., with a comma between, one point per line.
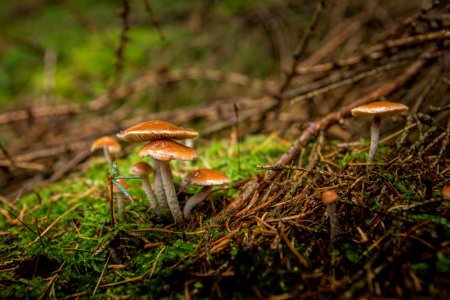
x=84, y=36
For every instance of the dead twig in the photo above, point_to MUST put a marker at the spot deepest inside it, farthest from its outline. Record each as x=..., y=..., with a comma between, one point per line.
x=325, y=122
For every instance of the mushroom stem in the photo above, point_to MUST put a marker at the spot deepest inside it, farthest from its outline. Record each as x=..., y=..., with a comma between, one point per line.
x=159, y=188
x=120, y=204
x=171, y=194
x=334, y=223
x=150, y=195
x=374, y=137
x=194, y=201
x=108, y=156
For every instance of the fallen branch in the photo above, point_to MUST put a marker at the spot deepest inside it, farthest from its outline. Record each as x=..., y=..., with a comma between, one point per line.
x=313, y=128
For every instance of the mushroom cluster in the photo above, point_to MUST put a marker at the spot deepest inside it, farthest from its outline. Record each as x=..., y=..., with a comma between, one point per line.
x=159, y=138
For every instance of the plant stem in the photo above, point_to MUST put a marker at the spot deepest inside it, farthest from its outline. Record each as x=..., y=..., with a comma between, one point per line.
x=194, y=201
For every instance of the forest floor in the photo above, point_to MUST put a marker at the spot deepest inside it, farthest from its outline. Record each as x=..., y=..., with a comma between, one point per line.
x=282, y=140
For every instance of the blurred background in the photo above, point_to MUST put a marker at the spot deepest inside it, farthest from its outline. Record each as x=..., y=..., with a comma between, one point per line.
x=71, y=71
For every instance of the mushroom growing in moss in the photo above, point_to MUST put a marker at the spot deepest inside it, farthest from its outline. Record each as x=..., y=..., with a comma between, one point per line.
x=163, y=151
x=143, y=169
x=149, y=131
x=109, y=145
x=203, y=177
x=377, y=110
x=329, y=198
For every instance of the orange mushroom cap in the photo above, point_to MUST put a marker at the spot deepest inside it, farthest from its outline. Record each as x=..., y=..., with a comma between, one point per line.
x=112, y=145
x=379, y=108
x=141, y=169
x=205, y=177
x=154, y=130
x=446, y=192
x=167, y=150
x=329, y=196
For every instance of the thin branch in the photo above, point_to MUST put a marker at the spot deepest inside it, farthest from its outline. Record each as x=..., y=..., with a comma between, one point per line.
x=153, y=19
x=324, y=123
x=302, y=46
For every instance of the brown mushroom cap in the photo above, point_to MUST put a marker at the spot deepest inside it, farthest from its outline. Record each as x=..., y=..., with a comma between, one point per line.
x=446, y=192
x=154, y=130
x=167, y=150
x=141, y=169
x=205, y=177
x=112, y=145
x=379, y=108
x=329, y=196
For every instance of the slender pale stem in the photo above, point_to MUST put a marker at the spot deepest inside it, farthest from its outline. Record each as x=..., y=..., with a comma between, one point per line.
x=374, y=137
x=108, y=156
x=120, y=204
x=194, y=201
x=334, y=223
x=150, y=195
x=171, y=194
x=159, y=188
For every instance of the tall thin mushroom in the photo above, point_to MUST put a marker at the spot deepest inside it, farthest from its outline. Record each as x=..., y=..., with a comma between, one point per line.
x=377, y=110
x=143, y=169
x=330, y=197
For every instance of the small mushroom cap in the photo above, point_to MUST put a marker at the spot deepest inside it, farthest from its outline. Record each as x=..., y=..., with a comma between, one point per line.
x=123, y=182
x=141, y=169
x=167, y=150
x=205, y=177
x=154, y=130
x=329, y=196
x=379, y=108
x=446, y=192
x=112, y=145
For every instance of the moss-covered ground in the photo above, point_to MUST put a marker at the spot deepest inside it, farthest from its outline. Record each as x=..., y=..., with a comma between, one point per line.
x=58, y=241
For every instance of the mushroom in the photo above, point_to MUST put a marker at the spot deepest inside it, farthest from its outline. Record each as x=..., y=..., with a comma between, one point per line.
x=119, y=196
x=153, y=130
x=330, y=197
x=203, y=177
x=446, y=192
x=142, y=169
x=109, y=145
x=163, y=151
x=377, y=110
